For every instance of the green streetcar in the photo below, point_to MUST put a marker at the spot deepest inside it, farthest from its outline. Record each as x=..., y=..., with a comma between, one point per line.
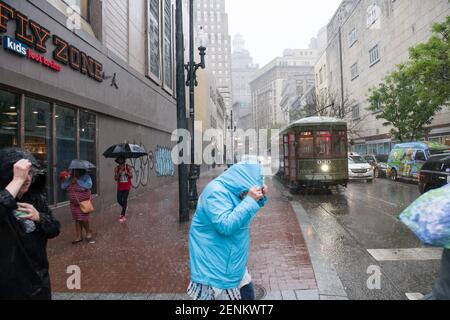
x=314, y=153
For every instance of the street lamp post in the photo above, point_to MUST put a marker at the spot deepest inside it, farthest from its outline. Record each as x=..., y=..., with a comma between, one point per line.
x=192, y=82
x=181, y=113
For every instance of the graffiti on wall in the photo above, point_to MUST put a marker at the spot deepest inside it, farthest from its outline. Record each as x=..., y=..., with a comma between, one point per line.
x=164, y=163
x=142, y=167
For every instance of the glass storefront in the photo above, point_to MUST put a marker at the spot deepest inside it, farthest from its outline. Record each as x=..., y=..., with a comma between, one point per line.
x=54, y=134
x=38, y=137
x=87, y=127
x=66, y=144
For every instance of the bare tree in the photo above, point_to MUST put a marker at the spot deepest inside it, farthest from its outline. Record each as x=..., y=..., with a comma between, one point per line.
x=328, y=104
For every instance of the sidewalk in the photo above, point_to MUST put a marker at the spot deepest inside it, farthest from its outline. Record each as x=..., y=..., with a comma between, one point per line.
x=147, y=258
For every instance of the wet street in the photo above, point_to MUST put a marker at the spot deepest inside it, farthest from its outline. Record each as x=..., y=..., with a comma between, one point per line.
x=357, y=234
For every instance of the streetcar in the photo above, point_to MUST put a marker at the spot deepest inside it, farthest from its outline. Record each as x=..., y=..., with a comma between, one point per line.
x=314, y=153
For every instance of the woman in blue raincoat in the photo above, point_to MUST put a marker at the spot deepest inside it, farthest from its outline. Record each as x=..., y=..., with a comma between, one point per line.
x=219, y=238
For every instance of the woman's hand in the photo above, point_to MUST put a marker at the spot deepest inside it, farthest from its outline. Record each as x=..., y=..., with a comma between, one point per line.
x=265, y=190
x=33, y=214
x=21, y=170
x=256, y=193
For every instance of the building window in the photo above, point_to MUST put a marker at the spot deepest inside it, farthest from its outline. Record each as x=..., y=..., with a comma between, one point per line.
x=372, y=14
x=352, y=37
x=38, y=137
x=53, y=134
x=88, y=134
x=354, y=71
x=154, y=43
x=168, y=37
x=355, y=112
x=66, y=143
x=80, y=6
x=374, y=56
x=9, y=119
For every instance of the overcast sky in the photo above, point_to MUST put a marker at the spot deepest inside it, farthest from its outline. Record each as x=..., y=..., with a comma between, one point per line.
x=270, y=26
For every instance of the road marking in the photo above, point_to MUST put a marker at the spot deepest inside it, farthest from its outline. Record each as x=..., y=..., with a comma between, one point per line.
x=417, y=254
x=414, y=296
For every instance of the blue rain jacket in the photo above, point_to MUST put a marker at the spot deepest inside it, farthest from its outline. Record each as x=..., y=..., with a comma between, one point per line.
x=219, y=237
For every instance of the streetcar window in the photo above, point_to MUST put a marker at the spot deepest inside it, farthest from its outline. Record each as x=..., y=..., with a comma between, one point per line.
x=306, y=145
x=323, y=143
x=340, y=144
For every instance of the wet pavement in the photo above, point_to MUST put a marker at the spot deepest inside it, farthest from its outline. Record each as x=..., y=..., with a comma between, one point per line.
x=345, y=224
x=147, y=258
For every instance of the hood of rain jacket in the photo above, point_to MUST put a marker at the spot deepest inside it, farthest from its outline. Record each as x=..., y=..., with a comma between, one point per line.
x=219, y=238
x=23, y=257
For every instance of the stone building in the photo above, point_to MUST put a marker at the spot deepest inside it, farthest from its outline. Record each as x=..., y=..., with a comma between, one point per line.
x=79, y=76
x=366, y=40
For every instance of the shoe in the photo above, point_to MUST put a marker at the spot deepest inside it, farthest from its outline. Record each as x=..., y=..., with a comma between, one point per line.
x=122, y=219
x=77, y=241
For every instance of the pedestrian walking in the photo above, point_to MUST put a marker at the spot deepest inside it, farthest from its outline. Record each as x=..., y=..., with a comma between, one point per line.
x=26, y=224
x=219, y=237
x=78, y=186
x=123, y=174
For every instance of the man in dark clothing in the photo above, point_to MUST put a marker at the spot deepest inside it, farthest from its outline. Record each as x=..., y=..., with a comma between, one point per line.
x=26, y=223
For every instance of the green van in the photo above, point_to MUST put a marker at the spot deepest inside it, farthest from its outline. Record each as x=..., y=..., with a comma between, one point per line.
x=406, y=159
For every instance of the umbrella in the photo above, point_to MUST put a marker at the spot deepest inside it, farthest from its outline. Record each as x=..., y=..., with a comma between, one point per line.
x=81, y=165
x=125, y=150
x=429, y=217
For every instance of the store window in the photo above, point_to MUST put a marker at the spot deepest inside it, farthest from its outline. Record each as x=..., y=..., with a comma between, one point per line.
x=66, y=143
x=38, y=137
x=88, y=148
x=9, y=119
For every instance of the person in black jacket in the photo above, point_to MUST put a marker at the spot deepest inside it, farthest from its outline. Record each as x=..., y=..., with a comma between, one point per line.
x=26, y=223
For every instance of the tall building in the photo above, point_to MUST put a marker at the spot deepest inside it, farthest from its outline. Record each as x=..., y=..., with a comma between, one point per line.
x=211, y=15
x=270, y=82
x=367, y=40
x=242, y=71
x=76, y=80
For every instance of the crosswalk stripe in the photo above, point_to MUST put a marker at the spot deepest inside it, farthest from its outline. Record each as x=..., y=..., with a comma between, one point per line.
x=414, y=254
x=414, y=296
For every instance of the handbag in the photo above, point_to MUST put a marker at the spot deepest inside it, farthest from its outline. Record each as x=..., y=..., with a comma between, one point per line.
x=86, y=206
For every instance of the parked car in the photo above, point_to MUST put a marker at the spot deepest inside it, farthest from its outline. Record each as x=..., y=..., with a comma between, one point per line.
x=435, y=173
x=358, y=168
x=379, y=164
x=406, y=159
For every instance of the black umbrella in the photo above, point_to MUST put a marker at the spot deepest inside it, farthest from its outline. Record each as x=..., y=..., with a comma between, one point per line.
x=81, y=165
x=125, y=150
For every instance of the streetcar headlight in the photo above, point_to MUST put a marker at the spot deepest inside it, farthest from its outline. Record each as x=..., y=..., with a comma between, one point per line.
x=325, y=168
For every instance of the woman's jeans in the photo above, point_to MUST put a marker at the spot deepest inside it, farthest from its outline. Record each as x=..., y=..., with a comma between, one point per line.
x=248, y=292
x=122, y=199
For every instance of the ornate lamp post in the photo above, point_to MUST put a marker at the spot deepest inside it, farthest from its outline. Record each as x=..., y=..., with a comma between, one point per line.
x=192, y=82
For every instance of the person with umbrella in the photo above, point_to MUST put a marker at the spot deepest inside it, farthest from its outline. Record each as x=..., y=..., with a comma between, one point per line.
x=123, y=174
x=78, y=186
